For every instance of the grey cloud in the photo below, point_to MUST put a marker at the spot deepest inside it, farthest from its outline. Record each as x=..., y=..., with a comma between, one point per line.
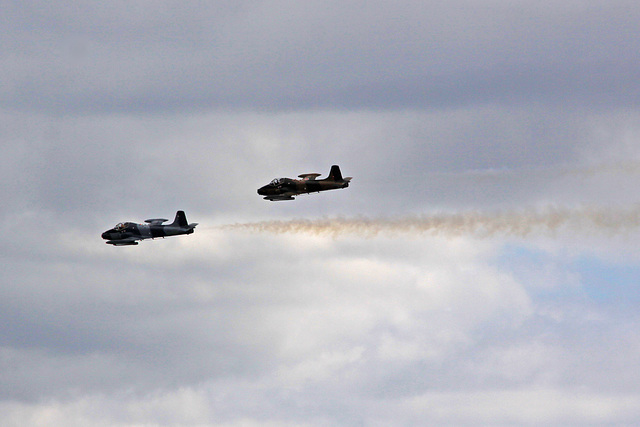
x=107, y=169
x=131, y=110
x=282, y=56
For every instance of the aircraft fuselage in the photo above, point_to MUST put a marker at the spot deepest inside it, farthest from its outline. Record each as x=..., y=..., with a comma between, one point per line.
x=146, y=231
x=128, y=233
x=287, y=188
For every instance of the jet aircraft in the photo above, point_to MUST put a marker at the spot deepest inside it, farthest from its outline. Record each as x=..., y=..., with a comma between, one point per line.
x=286, y=188
x=126, y=233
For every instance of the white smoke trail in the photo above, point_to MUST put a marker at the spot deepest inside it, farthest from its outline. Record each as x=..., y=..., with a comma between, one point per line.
x=483, y=224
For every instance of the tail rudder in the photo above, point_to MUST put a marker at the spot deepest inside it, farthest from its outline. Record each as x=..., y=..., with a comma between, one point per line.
x=335, y=173
x=181, y=219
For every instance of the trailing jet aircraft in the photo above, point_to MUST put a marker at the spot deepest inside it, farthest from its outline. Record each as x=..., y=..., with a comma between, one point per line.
x=126, y=233
x=286, y=188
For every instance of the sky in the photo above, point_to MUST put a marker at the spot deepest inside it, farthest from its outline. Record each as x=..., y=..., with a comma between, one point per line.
x=481, y=269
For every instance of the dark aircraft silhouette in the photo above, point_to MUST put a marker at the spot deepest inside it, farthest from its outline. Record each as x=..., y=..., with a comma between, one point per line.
x=286, y=188
x=126, y=233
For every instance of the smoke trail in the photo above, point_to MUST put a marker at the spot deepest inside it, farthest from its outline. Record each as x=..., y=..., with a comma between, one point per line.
x=516, y=223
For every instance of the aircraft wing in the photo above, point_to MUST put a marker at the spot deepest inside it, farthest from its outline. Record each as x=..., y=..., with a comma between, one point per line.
x=122, y=242
x=126, y=242
x=309, y=176
x=279, y=197
x=156, y=221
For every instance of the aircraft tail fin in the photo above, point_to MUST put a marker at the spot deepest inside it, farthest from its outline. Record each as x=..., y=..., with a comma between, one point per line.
x=335, y=173
x=181, y=219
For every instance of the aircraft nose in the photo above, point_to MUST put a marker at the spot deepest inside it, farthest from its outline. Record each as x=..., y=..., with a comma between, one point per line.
x=105, y=235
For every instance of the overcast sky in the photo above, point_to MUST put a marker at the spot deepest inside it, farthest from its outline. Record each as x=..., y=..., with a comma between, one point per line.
x=482, y=268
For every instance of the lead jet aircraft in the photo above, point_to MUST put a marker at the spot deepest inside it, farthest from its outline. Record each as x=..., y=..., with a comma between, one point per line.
x=286, y=188
x=126, y=233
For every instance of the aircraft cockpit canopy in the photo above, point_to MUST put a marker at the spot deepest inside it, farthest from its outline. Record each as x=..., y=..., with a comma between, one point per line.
x=121, y=226
x=277, y=181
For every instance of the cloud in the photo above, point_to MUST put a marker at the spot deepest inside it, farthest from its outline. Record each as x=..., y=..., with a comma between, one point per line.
x=344, y=56
x=510, y=130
